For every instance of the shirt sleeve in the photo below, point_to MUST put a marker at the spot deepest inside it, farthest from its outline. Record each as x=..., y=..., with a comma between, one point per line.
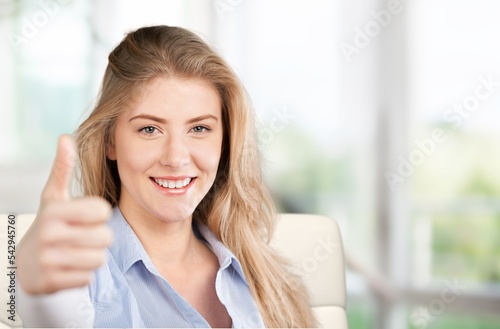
x=69, y=308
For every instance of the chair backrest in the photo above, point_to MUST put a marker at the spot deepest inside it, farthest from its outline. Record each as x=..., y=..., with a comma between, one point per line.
x=314, y=246
x=312, y=243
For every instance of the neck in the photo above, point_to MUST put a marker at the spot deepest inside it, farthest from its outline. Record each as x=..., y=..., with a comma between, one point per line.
x=166, y=243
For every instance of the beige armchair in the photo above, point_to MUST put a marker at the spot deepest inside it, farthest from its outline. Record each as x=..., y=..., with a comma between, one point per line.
x=312, y=243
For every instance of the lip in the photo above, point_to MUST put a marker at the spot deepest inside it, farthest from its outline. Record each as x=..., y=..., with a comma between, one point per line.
x=172, y=177
x=176, y=191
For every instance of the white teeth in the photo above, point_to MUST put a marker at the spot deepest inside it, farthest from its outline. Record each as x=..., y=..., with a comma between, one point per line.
x=173, y=183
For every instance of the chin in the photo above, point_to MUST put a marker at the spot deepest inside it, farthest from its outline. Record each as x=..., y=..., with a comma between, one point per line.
x=169, y=215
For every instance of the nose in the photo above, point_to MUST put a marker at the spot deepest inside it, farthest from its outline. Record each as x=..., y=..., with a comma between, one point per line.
x=175, y=153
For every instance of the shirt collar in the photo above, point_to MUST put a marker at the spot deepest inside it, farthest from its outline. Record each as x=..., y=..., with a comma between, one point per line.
x=127, y=248
x=224, y=255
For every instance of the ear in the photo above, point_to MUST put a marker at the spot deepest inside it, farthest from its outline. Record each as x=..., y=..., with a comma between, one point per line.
x=111, y=151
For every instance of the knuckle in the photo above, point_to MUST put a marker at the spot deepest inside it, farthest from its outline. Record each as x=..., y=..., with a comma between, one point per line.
x=87, y=277
x=48, y=210
x=97, y=258
x=101, y=237
x=48, y=282
x=107, y=236
x=101, y=207
x=100, y=258
x=49, y=213
x=45, y=261
x=45, y=236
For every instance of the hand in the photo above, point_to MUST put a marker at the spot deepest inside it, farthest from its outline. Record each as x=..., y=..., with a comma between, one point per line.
x=68, y=238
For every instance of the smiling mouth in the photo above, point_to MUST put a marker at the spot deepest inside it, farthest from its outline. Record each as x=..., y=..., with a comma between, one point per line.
x=173, y=184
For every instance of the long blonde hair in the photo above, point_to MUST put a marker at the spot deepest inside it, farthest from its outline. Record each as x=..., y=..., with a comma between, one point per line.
x=238, y=208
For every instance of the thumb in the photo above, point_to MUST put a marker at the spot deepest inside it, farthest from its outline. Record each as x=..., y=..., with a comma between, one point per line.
x=58, y=185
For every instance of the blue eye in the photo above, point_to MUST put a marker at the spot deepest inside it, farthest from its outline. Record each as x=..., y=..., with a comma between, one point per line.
x=200, y=129
x=149, y=130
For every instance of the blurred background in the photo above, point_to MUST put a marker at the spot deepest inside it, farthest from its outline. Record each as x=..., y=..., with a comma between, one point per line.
x=381, y=114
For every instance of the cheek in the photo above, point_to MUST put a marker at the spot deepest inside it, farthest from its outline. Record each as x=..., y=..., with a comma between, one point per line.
x=132, y=157
x=215, y=153
x=213, y=163
x=208, y=158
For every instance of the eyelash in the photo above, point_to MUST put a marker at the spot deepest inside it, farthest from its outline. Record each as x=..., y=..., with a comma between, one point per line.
x=205, y=129
x=143, y=130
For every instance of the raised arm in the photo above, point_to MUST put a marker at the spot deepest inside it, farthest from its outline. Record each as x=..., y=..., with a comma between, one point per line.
x=65, y=244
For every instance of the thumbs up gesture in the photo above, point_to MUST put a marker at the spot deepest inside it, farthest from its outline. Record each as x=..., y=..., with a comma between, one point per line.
x=68, y=238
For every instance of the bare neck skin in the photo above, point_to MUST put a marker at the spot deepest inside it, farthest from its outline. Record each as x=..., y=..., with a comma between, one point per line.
x=171, y=244
x=186, y=262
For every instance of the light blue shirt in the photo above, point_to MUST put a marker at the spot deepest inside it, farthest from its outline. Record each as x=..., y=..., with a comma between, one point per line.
x=128, y=291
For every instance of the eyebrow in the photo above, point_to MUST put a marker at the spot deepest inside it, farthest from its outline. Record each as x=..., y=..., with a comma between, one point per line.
x=148, y=117
x=163, y=121
x=203, y=117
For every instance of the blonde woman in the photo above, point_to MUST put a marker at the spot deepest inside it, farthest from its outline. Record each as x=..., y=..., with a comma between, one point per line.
x=169, y=157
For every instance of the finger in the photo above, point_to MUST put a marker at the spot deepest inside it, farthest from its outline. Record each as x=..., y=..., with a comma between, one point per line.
x=83, y=211
x=58, y=185
x=73, y=258
x=81, y=236
x=56, y=280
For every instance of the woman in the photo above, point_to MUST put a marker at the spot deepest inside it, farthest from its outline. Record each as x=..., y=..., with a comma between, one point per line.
x=170, y=147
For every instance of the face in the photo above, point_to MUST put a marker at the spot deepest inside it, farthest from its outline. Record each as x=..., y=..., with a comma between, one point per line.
x=167, y=148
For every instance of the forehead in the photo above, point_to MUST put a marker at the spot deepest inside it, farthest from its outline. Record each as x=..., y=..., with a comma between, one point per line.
x=178, y=97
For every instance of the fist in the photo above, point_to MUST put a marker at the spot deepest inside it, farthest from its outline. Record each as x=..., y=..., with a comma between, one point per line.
x=68, y=238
